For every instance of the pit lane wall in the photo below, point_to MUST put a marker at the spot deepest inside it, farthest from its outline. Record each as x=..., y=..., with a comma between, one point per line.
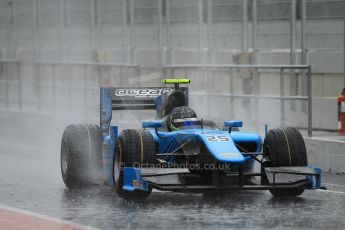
x=328, y=153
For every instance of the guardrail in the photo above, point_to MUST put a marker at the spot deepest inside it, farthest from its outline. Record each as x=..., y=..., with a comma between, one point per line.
x=101, y=69
x=10, y=76
x=11, y=72
x=169, y=70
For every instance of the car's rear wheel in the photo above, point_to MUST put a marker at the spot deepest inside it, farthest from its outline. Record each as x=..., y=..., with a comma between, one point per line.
x=81, y=156
x=285, y=147
x=133, y=148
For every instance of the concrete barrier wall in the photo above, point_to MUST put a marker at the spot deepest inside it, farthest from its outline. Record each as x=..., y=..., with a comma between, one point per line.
x=118, y=33
x=326, y=153
x=76, y=87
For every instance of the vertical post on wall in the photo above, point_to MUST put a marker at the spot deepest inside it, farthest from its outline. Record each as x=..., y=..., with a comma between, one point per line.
x=68, y=69
x=209, y=32
x=94, y=48
x=37, y=30
x=303, y=52
x=164, y=72
x=207, y=50
x=292, y=31
x=93, y=9
x=93, y=42
x=54, y=87
x=11, y=40
x=138, y=70
x=282, y=101
x=8, y=31
x=293, y=81
x=167, y=45
x=61, y=27
x=37, y=84
x=5, y=73
x=20, y=85
x=244, y=25
x=68, y=30
x=303, y=24
x=38, y=26
x=254, y=61
x=231, y=94
x=254, y=25
x=9, y=27
x=310, y=103
x=124, y=31
x=161, y=53
x=35, y=37
x=201, y=60
x=61, y=41
x=256, y=93
x=131, y=32
x=201, y=34
x=85, y=77
x=14, y=30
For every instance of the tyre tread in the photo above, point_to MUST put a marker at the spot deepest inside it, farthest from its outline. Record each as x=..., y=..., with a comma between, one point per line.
x=130, y=141
x=84, y=168
x=287, y=148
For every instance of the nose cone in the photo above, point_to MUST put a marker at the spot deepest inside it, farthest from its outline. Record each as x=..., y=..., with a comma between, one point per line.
x=222, y=147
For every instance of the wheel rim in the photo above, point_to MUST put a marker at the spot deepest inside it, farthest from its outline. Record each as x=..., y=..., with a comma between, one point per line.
x=117, y=166
x=64, y=164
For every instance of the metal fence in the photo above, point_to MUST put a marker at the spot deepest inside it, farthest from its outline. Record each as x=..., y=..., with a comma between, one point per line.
x=10, y=78
x=50, y=87
x=257, y=72
x=90, y=77
x=61, y=88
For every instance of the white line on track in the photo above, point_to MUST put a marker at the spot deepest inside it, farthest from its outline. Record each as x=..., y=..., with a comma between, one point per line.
x=44, y=217
x=330, y=191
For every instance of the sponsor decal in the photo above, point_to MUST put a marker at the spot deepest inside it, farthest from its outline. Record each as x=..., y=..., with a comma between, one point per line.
x=228, y=155
x=186, y=119
x=141, y=93
x=217, y=138
x=135, y=184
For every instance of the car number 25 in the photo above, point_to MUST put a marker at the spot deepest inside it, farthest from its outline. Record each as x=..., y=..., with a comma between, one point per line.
x=217, y=138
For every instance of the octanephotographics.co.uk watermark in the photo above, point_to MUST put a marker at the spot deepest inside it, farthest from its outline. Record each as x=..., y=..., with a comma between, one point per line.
x=191, y=166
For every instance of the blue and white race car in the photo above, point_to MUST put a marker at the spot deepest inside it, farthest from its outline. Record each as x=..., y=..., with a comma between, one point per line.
x=179, y=151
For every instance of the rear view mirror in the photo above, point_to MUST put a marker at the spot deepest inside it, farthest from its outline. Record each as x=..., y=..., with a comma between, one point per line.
x=238, y=124
x=153, y=124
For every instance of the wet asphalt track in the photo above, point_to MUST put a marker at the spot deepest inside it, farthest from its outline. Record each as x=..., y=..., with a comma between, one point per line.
x=30, y=180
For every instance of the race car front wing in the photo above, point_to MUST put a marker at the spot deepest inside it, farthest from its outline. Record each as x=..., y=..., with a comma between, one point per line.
x=182, y=180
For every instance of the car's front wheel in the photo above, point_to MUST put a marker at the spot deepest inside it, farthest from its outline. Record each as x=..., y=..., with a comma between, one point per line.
x=133, y=148
x=285, y=147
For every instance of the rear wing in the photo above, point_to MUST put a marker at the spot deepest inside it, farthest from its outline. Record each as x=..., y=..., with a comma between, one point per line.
x=128, y=98
x=133, y=98
x=136, y=98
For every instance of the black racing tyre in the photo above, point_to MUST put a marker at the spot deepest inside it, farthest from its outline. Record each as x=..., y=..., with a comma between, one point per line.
x=133, y=148
x=81, y=155
x=285, y=147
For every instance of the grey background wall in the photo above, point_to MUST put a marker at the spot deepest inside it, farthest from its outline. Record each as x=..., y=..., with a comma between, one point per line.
x=75, y=35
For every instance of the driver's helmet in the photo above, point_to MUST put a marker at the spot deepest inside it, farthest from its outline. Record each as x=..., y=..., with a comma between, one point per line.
x=181, y=116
